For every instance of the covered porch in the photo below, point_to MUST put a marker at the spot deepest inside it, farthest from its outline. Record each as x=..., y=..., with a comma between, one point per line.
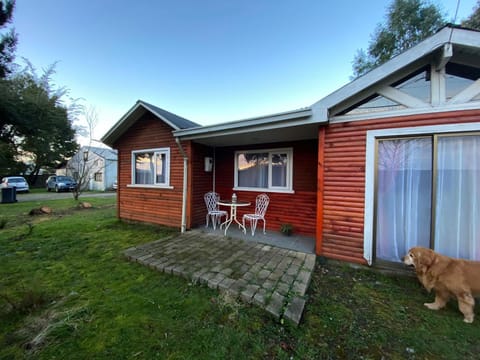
x=275, y=155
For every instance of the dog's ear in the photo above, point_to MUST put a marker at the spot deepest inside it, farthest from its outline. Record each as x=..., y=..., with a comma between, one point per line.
x=425, y=256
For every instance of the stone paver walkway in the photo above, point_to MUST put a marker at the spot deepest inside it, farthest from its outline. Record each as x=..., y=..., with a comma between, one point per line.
x=273, y=278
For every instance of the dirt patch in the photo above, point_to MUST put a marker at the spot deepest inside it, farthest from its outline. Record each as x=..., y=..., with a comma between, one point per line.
x=43, y=210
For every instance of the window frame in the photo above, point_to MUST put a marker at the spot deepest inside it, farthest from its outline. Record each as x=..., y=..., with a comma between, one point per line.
x=270, y=188
x=98, y=175
x=156, y=151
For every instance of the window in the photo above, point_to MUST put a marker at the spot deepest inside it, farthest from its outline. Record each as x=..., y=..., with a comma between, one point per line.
x=422, y=190
x=98, y=176
x=151, y=167
x=269, y=170
x=458, y=78
x=416, y=85
x=452, y=81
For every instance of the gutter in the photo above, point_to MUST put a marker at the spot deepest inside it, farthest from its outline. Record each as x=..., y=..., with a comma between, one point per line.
x=185, y=183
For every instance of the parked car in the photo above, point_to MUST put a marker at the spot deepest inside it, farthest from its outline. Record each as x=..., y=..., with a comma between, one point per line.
x=61, y=183
x=17, y=182
x=115, y=185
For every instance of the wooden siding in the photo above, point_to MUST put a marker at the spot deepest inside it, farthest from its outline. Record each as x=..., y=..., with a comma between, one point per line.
x=299, y=208
x=202, y=182
x=320, y=190
x=158, y=206
x=344, y=178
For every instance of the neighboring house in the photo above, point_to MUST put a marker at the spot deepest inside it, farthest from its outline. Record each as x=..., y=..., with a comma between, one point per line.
x=61, y=168
x=98, y=166
x=389, y=161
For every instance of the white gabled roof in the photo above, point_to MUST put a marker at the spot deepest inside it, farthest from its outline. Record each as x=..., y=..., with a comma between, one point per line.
x=458, y=37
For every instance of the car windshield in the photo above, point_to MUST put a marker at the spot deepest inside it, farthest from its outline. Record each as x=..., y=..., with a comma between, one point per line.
x=64, y=178
x=15, y=180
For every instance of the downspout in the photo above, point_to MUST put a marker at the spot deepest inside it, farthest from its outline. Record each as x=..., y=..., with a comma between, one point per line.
x=214, y=167
x=185, y=184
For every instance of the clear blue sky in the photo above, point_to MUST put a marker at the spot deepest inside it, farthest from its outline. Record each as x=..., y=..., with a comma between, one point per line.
x=209, y=61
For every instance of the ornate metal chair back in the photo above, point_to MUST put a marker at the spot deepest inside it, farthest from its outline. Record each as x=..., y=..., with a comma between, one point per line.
x=261, y=204
x=211, y=199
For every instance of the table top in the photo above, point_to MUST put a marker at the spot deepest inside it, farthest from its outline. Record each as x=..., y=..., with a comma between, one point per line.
x=230, y=203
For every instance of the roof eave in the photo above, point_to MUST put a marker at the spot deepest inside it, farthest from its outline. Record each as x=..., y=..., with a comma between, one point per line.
x=284, y=119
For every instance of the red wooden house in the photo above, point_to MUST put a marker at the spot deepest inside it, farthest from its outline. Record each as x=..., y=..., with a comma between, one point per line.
x=389, y=161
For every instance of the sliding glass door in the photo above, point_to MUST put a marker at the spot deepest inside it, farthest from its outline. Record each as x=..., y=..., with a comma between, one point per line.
x=457, y=197
x=427, y=194
x=404, y=192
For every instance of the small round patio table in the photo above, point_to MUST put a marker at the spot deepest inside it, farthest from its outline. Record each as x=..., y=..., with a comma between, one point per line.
x=233, y=213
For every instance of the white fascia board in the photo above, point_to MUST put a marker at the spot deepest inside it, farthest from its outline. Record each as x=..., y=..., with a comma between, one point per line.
x=464, y=37
x=243, y=126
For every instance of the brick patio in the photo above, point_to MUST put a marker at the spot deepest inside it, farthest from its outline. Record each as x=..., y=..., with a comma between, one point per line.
x=271, y=277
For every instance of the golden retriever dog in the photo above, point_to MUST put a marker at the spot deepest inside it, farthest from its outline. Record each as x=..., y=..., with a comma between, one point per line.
x=449, y=277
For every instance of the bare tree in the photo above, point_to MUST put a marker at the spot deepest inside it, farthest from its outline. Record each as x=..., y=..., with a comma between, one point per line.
x=81, y=164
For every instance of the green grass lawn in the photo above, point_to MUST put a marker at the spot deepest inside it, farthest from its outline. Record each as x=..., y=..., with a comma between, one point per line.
x=66, y=292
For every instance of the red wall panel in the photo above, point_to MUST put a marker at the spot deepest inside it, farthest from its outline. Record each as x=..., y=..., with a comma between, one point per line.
x=344, y=178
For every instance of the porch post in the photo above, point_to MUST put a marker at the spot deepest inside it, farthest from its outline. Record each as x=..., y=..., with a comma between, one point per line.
x=214, y=166
x=185, y=184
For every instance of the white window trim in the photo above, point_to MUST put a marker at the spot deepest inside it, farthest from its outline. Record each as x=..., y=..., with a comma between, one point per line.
x=166, y=185
x=372, y=136
x=289, y=186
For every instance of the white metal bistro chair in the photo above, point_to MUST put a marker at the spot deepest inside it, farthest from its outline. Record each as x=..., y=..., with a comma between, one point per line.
x=261, y=205
x=213, y=210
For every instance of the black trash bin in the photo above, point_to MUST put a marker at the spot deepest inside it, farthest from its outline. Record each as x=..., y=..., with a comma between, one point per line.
x=9, y=195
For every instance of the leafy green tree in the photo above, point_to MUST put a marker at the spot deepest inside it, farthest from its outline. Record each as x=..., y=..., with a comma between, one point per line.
x=37, y=130
x=407, y=23
x=11, y=128
x=8, y=41
x=473, y=21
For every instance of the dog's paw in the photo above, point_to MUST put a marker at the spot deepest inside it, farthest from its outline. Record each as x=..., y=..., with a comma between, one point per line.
x=432, y=306
x=468, y=319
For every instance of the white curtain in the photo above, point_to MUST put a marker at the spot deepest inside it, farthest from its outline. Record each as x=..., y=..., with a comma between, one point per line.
x=161, y=168
x=279, y=170
x=144, y=168
x=253, y=170
x=404, y=187
x=457, y=210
